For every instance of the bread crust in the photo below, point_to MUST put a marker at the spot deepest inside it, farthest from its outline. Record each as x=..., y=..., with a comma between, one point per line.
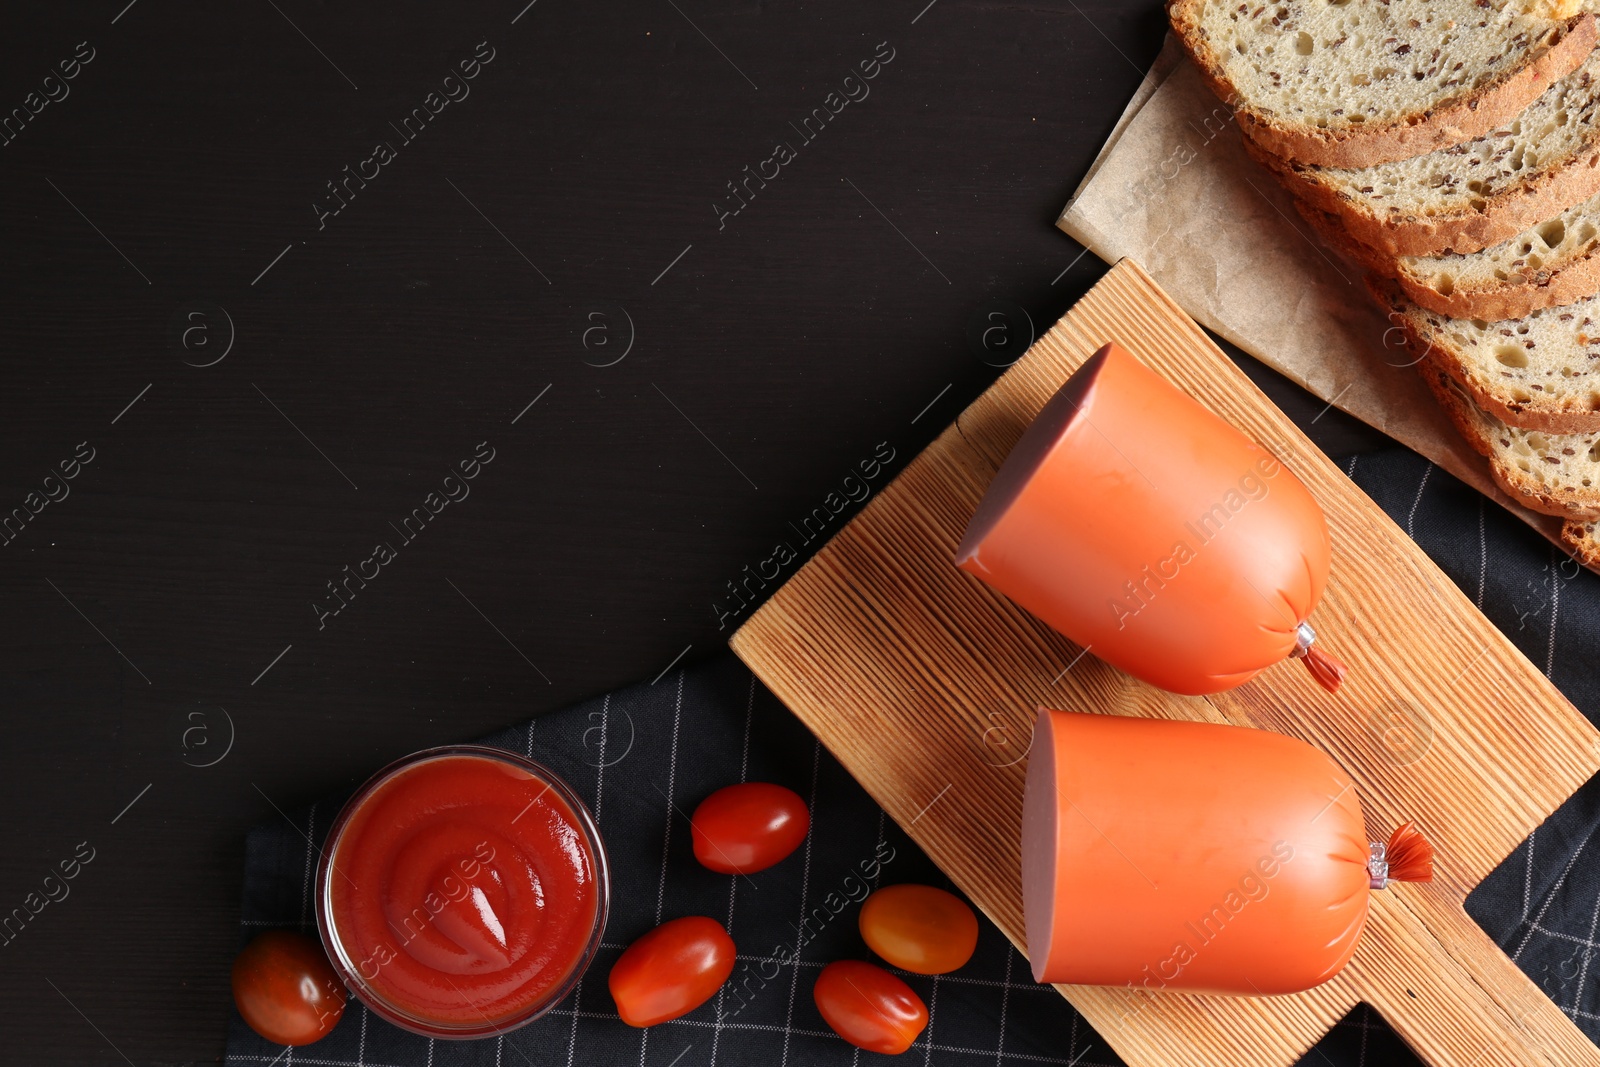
x=1567, y=504
x=1450, y=122
x=1545, y=415
x=1576, y=280
x=1506, y=212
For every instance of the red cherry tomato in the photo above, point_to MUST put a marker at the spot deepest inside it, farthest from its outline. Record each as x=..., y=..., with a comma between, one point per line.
x=746, y=828
x=869, y=1007
x=919, y=928
x=286, y=989
x=671, y=971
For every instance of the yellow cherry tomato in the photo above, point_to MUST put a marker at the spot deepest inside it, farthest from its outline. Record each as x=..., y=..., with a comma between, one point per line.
x=919, y=928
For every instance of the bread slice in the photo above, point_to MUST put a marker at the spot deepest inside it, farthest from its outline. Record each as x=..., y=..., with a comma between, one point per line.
x=1540, y=372
x=1555, y=263
x=1473, y=195
x=1584, y=540
x=1557, y=474
x=1372, y=81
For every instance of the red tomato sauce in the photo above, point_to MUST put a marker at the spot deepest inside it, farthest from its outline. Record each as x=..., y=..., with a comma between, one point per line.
x=462, y=891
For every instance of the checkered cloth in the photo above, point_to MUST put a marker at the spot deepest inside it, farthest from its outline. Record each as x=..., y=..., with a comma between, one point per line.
x=643, y=757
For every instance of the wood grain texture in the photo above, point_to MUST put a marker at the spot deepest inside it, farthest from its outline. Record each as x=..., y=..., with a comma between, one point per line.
x=922, y=681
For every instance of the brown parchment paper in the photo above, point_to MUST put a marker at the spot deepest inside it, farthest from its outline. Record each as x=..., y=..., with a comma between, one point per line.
x=1173, y=188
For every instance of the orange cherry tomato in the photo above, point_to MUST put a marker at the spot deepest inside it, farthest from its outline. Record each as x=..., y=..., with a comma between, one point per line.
x=286, y=989
x=919, y=928
x=745, y=828
x=671, y=970
x=869, y=1007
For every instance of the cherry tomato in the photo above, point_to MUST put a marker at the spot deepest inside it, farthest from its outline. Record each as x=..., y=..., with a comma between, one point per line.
x=671, y=970
x=746, y=828
x=919, y=928
x=869, y=1007
x=286, y=989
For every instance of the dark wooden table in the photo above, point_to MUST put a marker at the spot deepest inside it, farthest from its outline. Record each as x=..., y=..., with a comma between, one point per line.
x=259, y=343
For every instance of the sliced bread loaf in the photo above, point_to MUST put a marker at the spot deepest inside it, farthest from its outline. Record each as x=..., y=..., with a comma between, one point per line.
x=1557, y=474
x=1371, y=81
x=1555, y=263
x=1540, y=372
x=1476, y=194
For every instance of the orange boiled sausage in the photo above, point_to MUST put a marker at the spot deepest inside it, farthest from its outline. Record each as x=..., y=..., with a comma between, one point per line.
x=1189, y=856
x=1140, y=525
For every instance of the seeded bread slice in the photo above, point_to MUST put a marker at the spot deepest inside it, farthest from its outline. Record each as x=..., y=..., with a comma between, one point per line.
x=1584, y=540
x=1553, y=264
x=1540, y=372
x=1371, y=81
x=1476, y=194
x=1557, y=474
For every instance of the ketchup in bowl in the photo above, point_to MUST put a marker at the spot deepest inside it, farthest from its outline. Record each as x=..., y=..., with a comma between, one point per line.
x=462, y=892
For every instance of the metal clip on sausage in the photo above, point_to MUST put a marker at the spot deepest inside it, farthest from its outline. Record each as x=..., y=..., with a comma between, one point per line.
x=1328, y=671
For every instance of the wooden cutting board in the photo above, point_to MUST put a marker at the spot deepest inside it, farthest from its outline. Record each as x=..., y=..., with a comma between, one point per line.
x=923, y=682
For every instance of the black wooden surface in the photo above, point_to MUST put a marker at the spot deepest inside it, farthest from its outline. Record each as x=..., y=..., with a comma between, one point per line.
x=164, y=205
